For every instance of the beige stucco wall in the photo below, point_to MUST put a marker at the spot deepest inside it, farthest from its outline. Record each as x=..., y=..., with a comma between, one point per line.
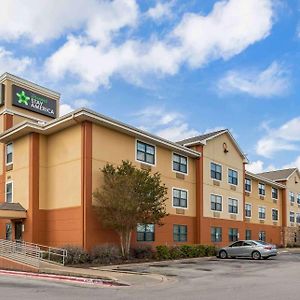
x=60, y=169
x=113, y=147
x=254, y=199
x=19, y=174
x=213, y=151
x=293, y=185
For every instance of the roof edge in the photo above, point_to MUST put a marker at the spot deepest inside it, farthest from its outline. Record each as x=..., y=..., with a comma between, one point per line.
x=261, y=178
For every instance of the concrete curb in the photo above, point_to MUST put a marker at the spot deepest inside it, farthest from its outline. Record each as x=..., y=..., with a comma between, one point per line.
x=64, y=278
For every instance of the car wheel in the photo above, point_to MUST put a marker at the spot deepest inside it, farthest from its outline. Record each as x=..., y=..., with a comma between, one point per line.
x=256, y=255
x=223, y=254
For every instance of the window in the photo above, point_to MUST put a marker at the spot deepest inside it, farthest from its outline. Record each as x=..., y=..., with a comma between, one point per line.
x=233, y=234
x=247, y=185
x=298, y=198
x=248, y=234
x=292, y=197
x=180, y=233
x=145, y=153
x=237, y=244
x=248, y=210
x=275, y=214
x=179, y=163
x=274, y=193
x=232, y=177
x=216, y=234
x=215, y=171
x=9, y=153
x=298, y=218
x=216, y=202
x=179, y=198
x=9, y=192
x=145, y=232
x=232, y=206
x=262, y=236
x=292, y=217
x=261, y=212
x=8, y=231
x=261, y=189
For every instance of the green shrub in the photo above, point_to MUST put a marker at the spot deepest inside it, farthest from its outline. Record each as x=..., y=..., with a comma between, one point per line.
x=200, y=250
x=143, y=252
x=187, y=251
x=76, y=255
x=175, y=252
x=163, y=252
x=105, y=254
x=210, y=250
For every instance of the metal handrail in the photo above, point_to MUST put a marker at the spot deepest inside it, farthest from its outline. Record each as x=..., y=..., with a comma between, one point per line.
x=32, y=253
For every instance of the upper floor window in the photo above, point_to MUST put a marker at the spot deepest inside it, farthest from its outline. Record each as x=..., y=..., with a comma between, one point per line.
x=216, y=202
x=232, y=206
x=145, y=232
x=261, y=189
x=292, y=217
x=232, y=177
x=274, y=193
x=261, y=212
x=248, y=210
x=9, y=153
x=292, y=197
x=298, y=218
x=9, y=192
x=275, y=214
x=298, y=198
x=179, y=233
x=145, y=153
x=216, y=234
x=247, y=185
x=215, y=171
x=180, y=198
x=180, y=163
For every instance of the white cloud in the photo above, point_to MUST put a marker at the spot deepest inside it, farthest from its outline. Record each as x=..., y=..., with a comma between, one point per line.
x=273, y=81
x=160, y=11
x=94, y=58
x=294, y=164
x=168, y=124
x=12, y=64
x=229, y=29
x=40, y=21
x=65, y=109
x=284, y=138
x=258, y=167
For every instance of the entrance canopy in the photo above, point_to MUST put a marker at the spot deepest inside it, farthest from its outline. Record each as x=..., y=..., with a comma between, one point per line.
x=12, y=211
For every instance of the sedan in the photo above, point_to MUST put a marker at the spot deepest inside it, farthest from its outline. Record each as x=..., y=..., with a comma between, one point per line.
x=248, y=248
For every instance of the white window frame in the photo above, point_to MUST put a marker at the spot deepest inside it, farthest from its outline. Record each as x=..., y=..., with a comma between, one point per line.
x=12, y=191
x=250, y=210
x=187, y=164
x=290, y=217
x=272, y=193
x=238, y=177
x=12, y=156
x=264, y=189
x=250, y=185
x=277, y=214
x=212, y=162
x=265, y=213
x=187, y=197
x=233, y=213
x=144, y=162
x=291, y=193
x=212, y=194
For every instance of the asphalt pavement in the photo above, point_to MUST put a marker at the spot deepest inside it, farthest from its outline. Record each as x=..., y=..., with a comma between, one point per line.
x=208, y=279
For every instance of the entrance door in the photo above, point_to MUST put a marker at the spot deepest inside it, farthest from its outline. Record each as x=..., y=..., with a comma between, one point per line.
x=18, y=231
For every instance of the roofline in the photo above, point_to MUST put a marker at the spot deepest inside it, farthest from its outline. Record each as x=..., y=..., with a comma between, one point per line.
x=287, y=178
x=87, y=113
x=20, y=80
x=264, y=179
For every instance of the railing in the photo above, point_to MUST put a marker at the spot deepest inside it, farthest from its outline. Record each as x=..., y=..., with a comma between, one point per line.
x=32, y=253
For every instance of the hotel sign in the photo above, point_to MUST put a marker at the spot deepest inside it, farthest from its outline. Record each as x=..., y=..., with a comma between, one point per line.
x=34, y=102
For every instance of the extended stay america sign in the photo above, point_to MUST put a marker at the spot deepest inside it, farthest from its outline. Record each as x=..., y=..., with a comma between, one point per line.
x=32, y=101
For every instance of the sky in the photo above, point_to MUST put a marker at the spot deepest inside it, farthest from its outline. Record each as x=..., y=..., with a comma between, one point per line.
x=173, y=68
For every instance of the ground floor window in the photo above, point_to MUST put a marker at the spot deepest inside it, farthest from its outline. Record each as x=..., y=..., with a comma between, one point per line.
x=262, y=236
x=180, y=233
x=298, y=218
x=145, y=232
x=8, y=232
x=216, y=234
x=233, y=234
x=248, y=234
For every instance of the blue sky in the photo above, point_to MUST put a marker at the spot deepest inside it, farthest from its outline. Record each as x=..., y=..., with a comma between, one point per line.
x=175, y=68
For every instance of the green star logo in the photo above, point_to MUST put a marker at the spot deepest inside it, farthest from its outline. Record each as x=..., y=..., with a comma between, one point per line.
x=23, y=99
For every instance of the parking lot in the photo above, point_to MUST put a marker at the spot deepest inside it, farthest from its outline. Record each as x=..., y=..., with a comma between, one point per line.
x=242, y=279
